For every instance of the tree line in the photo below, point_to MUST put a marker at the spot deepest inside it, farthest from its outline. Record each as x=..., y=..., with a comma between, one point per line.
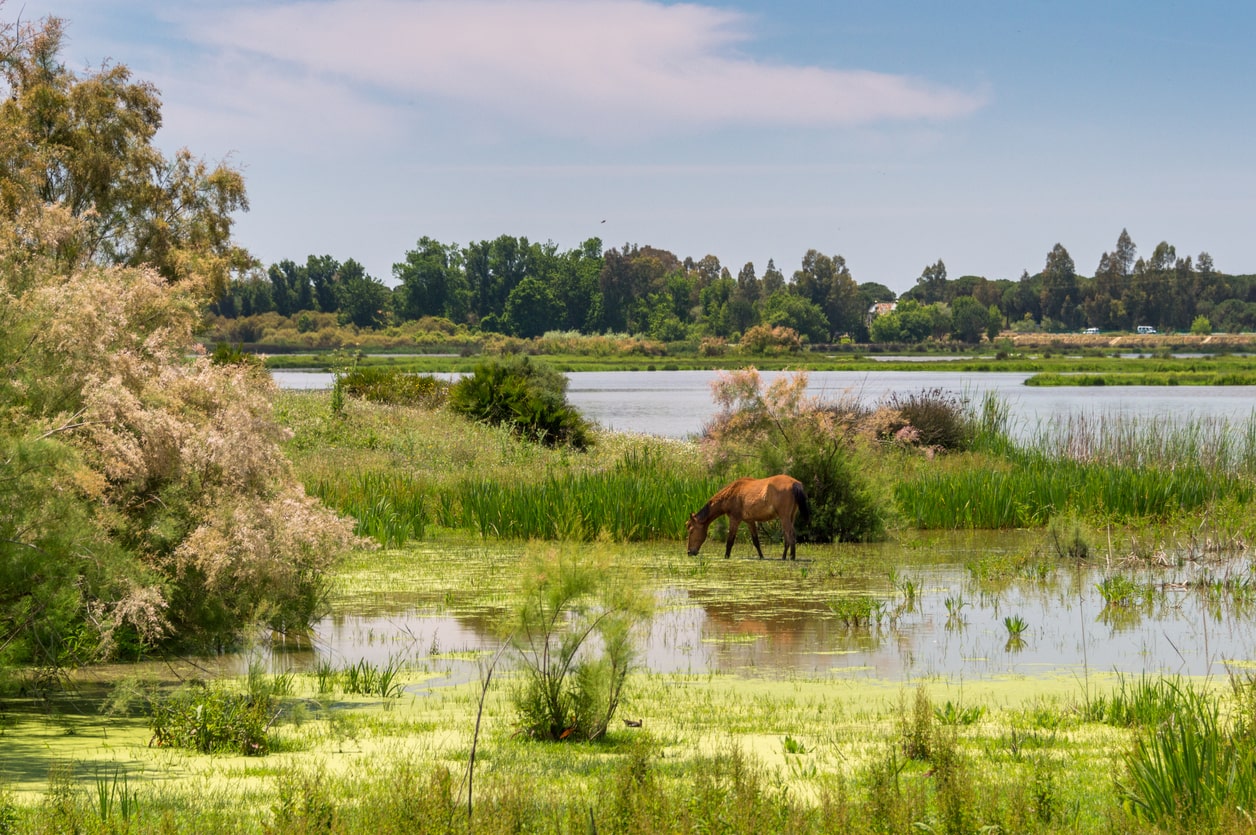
x=513, y=286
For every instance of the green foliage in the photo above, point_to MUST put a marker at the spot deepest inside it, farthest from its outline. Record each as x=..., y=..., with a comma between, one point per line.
x=1189, y=771
x=389, y=506
x=638, y=499
x=380, y=384
x=211, y=720
x=570, y=690
x=916, y=726
x=227, y=354
x=1028, y=491
x=857, y=610
x=528, y=397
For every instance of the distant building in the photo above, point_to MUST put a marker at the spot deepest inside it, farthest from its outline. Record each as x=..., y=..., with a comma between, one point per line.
x=880, y=309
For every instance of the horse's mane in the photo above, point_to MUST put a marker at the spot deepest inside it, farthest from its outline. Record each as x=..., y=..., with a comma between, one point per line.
x=719, y=499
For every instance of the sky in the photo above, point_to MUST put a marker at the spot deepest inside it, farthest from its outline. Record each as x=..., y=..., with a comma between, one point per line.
x=892, y=133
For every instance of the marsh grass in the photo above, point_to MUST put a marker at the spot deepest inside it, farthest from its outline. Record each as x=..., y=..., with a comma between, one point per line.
x=848, y=757
x=389, y=507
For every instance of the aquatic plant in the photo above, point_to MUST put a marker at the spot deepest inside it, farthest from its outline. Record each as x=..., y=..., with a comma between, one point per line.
x=211, y=719
x=854, y=610
x=953, y=713
x=1189, y=771
x=1118, y=590
x=388, y=506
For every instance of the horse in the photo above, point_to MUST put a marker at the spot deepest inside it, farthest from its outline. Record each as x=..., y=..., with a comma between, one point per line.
x=751, y=500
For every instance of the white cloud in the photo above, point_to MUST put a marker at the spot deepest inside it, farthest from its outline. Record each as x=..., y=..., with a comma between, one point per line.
x=566, y=68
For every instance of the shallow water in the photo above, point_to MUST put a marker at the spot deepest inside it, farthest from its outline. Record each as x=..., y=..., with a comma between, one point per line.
x=443, y=604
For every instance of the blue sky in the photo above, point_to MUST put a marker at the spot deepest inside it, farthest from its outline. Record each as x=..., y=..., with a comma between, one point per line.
x=891, y=133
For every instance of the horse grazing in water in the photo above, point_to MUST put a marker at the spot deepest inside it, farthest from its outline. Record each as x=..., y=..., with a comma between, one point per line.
x=751, y=500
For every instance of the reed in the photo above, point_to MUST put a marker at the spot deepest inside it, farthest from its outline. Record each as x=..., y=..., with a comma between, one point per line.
x=389, y=506
x=1031, y=491
x=625, y=504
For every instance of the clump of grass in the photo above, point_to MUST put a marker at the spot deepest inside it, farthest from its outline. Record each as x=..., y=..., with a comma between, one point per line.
x=855, y=610
x=1189, y=771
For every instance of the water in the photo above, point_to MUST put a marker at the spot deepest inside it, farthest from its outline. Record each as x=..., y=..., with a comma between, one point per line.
x=678, y=404
x=750, y=617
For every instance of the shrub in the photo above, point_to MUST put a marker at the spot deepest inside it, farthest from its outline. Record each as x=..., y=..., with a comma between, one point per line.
x=528, y=397
x=212, y=720
x=940, y=420
x=568, y=691
x=390, y=385
x=780, y=429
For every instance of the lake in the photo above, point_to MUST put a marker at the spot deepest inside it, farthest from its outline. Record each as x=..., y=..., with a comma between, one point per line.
x=677, y=404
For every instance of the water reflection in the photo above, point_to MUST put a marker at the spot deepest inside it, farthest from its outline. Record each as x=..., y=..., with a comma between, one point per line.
x=750, y=617
x=943, y=601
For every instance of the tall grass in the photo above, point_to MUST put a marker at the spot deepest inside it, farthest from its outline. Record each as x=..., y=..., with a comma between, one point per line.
x=1189, y=772
x=1120, y=469
x=389, y=506
x=626, y=504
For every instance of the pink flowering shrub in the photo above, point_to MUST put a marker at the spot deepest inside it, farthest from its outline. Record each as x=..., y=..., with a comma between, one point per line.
x=176, y=516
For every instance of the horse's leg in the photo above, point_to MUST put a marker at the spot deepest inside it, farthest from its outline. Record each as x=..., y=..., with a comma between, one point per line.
x=791, y=546
x=732, y=534
x=754, y=537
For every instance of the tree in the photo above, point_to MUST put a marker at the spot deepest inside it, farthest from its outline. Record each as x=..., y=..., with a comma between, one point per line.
x=431, y=283
x=1059, y=296
x=773, y=280
x=969, y=320
x=531, y=309
x=789, y=310
x=145, y=498
x=361, y=299
x=628, y=276
x=84, y=144
x=931, y=286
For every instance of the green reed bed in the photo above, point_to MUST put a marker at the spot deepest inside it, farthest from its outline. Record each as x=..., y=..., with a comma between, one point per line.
x=390, y=506
x=1118, y=468
x=1030, y=493
x=626, y=504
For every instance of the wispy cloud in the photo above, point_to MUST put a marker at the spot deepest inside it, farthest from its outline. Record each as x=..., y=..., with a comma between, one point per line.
x=565, y=68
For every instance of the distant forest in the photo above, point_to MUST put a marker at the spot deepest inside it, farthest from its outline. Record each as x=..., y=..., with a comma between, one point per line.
x=514, y=287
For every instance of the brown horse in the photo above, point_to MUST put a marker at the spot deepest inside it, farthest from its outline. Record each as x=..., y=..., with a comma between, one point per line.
x=751, y=500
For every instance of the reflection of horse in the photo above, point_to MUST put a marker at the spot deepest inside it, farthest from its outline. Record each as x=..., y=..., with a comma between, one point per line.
x=751, y=500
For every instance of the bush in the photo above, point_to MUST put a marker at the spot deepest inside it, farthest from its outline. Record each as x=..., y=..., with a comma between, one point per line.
x=568, y=691
x=940, y=420
x=843, y=507
x=780, y=429
x=529, y=398
x=389, y=385
x=212, y=720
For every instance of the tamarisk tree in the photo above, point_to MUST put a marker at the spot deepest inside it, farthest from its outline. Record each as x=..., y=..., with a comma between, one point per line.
x=144, y=496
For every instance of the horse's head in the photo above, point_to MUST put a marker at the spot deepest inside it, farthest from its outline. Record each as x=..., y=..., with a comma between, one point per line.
x=697, y=533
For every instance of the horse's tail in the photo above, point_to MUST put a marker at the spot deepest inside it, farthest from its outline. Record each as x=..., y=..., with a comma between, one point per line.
x=800, y=498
